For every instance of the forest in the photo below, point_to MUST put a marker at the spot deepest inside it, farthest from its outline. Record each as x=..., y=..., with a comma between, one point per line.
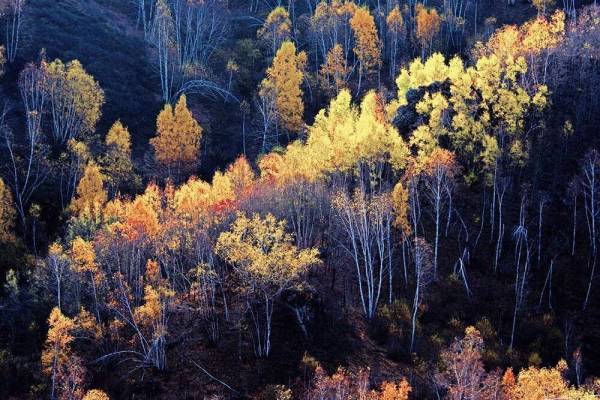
x=299, y=199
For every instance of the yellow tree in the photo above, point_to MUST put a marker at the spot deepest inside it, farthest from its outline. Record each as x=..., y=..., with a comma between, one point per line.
x=7, y=214
x=543, y=383
x=91, y=195
x=57, y=348
x=177, y=141
x=83, y=258
x=267, y=263
x=282, y=85
x=277, y=28
x=151, y=318
x=116, y=161
x=95, y=394
x=75, y=100
x=367, y=46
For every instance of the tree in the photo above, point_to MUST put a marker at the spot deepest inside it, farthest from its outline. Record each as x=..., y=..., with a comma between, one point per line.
x=91, y=195
x=83, y=258
x=366, y=223
x=28, y=167
x=267, y=263
x=395, y=391
x=544, y=383
x=177, y=141
x=423, y=276
x=334, y=73
x=590, y=184
x=186, y=34
x=395, y=24
x=75, y=99
x=440, y=169
x=95, y=394
x=57, y=348
x=428, y=25
x=116, y=162
x=462, y=373
x=282, y=84
x=2, y=60
x=13, y=27
x=276, y=29
x=367, y=46
x=7, y=214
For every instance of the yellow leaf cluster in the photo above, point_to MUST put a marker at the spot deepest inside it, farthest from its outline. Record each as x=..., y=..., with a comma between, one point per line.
x=91, y=195
x=95, y=394
x=57, y=347
x=544, y=383
x=263, y=252
x=72, y=88
x=367, y=46
x=177, y=139
x=342, y=137
x=117, y=161
x=282, y=84
x=482, y=99
x=277, y=26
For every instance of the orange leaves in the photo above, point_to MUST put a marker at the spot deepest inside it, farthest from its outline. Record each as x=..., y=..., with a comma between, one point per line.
x=441, y=160
x=334, y=72
x=395, y=391
x=367, y=47
x=428, y=24
x=177, y=142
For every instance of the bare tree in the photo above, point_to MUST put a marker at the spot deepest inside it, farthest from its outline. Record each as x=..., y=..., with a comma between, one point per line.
x=590, y=184
x=13, y=28
x=366, y=223
x=423, y=277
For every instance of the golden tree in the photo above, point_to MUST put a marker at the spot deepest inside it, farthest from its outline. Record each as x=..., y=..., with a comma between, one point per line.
x=543, y=383
x=91, y=195
x=267, y=263
x=282, y=85
x=75, y=100
x=334, y=73
x=95, y=394
x=177, y=141
x=277, y=28
x=83, y=259
x=367, y=46
x=116, y=162
x=57, y=348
